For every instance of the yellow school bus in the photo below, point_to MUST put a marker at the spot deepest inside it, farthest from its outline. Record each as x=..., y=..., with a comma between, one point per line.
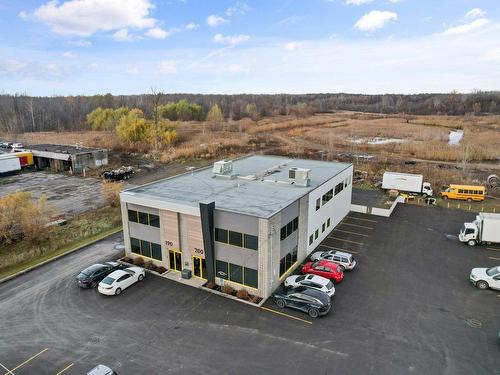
x=464, y=192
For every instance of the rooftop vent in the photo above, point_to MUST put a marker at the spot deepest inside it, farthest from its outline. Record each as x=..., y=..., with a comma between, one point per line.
x=223, y=167
x=299, y=176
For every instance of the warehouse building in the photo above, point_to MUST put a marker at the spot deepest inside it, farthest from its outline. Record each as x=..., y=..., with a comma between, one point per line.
x=68, y=157
x=247, y=223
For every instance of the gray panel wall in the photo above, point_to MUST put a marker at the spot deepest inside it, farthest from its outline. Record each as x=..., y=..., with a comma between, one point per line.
x=149, y=210
x=288, y=214
x=144, y=232
x=237, y=223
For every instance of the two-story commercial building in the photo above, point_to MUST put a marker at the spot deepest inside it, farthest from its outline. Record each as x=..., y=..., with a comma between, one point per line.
x=246, y=223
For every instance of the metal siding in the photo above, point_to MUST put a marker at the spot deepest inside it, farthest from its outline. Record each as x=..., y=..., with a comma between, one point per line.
x=144, y=232
x=236, y=222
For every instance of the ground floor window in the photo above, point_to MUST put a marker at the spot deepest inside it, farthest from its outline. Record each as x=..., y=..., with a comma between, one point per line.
x=238, y=274
x=145, y=248
x=328, y=223
x=311, y=239
x=288, y=261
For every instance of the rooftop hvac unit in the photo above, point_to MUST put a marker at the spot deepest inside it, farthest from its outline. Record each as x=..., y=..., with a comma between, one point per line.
x=300, y=176
x=223, y=167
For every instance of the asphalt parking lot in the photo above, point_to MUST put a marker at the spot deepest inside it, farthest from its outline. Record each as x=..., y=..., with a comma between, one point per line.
x=68, y=194
x=408, y=308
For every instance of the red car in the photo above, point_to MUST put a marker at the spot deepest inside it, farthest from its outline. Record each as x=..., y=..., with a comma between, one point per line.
x=324, y=268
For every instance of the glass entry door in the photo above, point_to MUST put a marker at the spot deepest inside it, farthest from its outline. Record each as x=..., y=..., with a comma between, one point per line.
x=199, y=267
x=175, y=260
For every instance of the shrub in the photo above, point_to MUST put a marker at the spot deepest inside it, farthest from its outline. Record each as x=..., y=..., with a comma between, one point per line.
x=210, y=285
x=127, y=260
x=227, y=289
x=138, y=261
x=160, y=269
x=148, y=265
x=242, y=294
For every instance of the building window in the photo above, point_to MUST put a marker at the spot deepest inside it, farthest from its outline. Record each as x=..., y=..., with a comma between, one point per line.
x=250, y=277
x=328, y=223
x=311, y=239
x=132, y=216
x=318, y=204
x=156, y=251
x=145, y=248
x=221, y=235
x=250, y=242
x=236, y=273
x=339, y=188
x=222, y=269
x=135, y=245
x=288, y=229
x=235, y=239
x=323, y=227
x=154, y=220
x=327, y=196
x=288, y=261
x=143, y=218
x=316, y=234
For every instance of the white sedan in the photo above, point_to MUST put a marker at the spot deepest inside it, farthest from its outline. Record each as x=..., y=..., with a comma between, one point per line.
x=485, y=278
x=117, y=281
x=311, y=281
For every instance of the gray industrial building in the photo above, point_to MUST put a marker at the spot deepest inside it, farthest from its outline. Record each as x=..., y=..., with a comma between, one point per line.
x=67, y=157
x=247, y=223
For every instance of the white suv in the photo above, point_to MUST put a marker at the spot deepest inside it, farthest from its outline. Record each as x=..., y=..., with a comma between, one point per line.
x=311, y=281
x=485, y=278
x=344, y=260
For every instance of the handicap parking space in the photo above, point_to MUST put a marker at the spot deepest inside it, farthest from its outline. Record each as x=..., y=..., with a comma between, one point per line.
x=32, y=360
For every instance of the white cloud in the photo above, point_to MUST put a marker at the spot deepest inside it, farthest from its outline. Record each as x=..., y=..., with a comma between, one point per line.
x=475, y=13
x=237, y=68
x=465, y=28
x=357, y=2
x=69, y=55
x=375, y=20
x=191, y=26
x=80, y=43
x=157, y=33
x=240, y=8
x=230, y=39
x=291, y=46
x=132, y=71
x=395, y=1
x=214, y=20
x=167, y=67
x=23, y=15
x=11, y=66
x=86, y=17
x=123, y=36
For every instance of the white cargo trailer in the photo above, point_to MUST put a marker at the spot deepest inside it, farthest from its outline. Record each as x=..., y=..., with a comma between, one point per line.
x=485, y=229
x=406, y=182
x=9, y=163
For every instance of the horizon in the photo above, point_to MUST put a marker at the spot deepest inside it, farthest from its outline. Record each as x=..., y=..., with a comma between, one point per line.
x=231, y=47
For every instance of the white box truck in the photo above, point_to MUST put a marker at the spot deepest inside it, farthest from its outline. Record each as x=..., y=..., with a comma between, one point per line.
x=9, y=163
x=485, y=229
x=406, y=182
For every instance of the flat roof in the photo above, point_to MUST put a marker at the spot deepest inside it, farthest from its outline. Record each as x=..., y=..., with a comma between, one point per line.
x=261, y=197
x=61, y=149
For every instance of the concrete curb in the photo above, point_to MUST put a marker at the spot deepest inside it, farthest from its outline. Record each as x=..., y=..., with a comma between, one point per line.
x=22, y=272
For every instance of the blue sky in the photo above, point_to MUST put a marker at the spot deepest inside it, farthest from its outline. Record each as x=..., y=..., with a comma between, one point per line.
x=270, y=46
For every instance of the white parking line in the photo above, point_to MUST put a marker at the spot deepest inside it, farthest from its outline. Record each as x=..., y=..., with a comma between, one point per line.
x=8, y=371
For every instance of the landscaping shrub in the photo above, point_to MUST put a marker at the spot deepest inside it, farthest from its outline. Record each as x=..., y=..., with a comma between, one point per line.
x=148, y=265
x=242, y=294
x=227, y=289
x=160, y=269
x=210, y=285
x=138, y=261
x=127, y=260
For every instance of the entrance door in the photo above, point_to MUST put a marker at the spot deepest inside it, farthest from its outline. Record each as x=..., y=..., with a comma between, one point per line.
x=199, y=267
x=175, y=260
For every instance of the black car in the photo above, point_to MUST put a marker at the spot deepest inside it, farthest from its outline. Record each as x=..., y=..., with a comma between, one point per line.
x=91, y=276
x=314, y=302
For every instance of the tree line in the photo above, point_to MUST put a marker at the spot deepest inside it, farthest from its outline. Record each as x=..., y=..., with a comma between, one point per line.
x=22, y=113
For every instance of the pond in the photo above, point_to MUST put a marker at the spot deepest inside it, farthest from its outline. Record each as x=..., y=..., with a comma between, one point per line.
x=455, y=137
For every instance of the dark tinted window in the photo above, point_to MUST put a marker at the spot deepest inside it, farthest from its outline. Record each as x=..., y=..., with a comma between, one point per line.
x=145, y=249
x=135, y=245
x=154, y=220
x=221, y=269
x=283, y=233
x=143, y=218
x=236, y=273
x=295, y=223
x=235, y=238
x=311, y=239
x=132, y=216
x=221, y=235
x=251, y=242
x=289, y=228
x=155, y=251
x=251, y=277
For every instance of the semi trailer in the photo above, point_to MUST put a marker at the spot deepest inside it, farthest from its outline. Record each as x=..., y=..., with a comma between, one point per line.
x=406, y=182
x=9, y=163
x=485, y=229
